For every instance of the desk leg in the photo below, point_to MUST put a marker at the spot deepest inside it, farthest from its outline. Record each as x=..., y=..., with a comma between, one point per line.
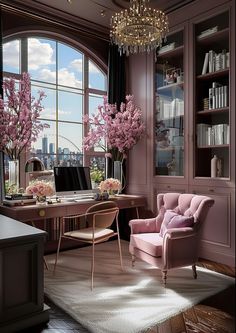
x=137, y=212
x=44, y=260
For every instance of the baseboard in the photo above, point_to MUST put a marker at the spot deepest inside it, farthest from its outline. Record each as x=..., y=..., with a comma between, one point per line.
x=30, y=320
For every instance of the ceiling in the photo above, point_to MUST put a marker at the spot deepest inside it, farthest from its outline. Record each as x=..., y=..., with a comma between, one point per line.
x=100, y=11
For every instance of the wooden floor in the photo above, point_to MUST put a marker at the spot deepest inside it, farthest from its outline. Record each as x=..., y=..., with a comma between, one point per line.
x=216, y=314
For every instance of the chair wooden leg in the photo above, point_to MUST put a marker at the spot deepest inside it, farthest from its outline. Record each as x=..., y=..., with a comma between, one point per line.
x=121, y=261
x=57, y=255
x=45, y=263
x=92, y=267
x=194, y=271
x=133, y=260
x=164, y=277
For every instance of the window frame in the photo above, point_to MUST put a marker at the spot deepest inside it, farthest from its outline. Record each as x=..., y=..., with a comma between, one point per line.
x=85, y=90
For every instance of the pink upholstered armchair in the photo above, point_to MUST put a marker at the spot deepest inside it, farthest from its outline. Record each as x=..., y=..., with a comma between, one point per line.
x=171, y=239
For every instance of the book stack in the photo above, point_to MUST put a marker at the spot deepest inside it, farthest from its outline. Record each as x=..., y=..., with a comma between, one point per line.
x=18, y=200
x=209, y=135
x=166, y=48
x=215, y=61
x=205, y=103
x=208, y=32
x=218, y=96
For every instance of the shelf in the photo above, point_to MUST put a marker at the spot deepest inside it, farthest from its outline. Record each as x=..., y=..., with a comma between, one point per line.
x=174, y=52
x=170, y=86
x=208, y=76
x=213, y=111
x=214, y=37
x=170, y=148
x=214, y=146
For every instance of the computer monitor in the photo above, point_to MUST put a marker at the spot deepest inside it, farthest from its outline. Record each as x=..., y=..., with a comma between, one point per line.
x=72, y=181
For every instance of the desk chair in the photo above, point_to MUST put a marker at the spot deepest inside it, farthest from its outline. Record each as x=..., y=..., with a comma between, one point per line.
x=98, y=220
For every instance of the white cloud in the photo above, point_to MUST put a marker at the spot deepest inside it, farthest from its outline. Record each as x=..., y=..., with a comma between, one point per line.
x=40, y=53
x=65, y=77
x=93, y=68
x=49, y=113
x=47, y=75
x=77, y=64
x=11, y=53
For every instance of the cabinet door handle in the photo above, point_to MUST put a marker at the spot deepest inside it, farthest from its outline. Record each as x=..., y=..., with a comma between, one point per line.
x=211, y=190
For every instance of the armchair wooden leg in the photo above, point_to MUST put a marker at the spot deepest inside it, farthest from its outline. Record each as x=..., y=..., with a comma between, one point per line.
x=194, y=271
x=133, y=260
x=164, y=277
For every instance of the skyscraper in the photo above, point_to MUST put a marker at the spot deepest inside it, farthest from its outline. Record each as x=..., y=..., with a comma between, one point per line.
x=51, y=148
x=44, y=145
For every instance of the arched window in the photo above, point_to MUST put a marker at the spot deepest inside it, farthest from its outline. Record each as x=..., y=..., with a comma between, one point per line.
x=74, y=85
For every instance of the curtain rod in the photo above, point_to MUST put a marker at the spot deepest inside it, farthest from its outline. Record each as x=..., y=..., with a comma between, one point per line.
x=27, y=12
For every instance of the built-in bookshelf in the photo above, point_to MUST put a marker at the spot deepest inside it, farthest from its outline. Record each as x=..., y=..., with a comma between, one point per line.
x=169, y=107
x=212, y=64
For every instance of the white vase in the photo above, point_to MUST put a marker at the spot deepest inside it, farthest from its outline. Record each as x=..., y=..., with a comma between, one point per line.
x=216, y=167
x=14, y=173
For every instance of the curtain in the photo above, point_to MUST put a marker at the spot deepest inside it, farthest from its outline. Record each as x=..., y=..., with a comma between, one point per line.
x=116, y=76
x=1, y=93
x=116, y=90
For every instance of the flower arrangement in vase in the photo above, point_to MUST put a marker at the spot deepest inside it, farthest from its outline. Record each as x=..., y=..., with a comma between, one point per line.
x=19, y=123
x=108, y=187
x=115, y=130
x=40, y=190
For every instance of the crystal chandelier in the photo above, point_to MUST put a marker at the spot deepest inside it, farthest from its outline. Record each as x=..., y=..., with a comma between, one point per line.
x=139, y=28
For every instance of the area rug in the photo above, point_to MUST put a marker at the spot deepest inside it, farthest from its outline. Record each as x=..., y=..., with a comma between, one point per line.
x=129, y=301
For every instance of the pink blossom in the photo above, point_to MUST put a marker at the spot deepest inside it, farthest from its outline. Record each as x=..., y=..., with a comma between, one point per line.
x=19, y=113
x=113, y=129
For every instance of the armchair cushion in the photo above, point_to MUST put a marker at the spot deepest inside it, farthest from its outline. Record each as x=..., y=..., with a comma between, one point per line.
x=174, y=220
x=150, y=243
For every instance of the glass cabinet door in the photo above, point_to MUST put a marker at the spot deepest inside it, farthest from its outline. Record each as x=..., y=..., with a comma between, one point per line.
x=169, y=107
x=212, y=107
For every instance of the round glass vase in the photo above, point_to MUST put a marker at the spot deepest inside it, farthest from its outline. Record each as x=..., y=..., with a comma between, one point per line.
x=41, y=200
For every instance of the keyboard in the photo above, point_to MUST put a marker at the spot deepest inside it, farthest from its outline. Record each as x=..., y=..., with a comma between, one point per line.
x=75, y=198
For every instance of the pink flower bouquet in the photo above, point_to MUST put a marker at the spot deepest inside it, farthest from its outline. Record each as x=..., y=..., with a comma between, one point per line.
x=110, y=185
x=40, y=188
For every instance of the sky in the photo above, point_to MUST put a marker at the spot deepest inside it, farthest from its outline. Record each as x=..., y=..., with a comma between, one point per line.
x=44, y=56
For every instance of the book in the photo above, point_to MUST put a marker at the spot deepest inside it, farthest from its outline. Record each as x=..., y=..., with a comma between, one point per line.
x=19, y=202
x=205, y=64
x=208, y=32
x=18, y=196
x=166, y=48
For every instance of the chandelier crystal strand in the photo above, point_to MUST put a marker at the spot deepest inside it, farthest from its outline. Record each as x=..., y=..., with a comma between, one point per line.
x=139, y=29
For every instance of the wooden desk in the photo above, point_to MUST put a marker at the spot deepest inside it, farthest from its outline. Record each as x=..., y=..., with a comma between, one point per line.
x=47, y=217
x=21, y=276
x=56, y=210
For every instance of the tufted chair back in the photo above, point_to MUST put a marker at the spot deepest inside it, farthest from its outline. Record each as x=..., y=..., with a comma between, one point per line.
x=186, y=204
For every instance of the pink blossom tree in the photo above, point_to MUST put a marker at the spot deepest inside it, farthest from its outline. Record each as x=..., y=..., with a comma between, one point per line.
x=19, y=113
x=115, y=130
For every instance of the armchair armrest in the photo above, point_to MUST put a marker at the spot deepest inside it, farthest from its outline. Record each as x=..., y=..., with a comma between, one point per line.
x=139, y=226
x=176, y=233
x=180, y=247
